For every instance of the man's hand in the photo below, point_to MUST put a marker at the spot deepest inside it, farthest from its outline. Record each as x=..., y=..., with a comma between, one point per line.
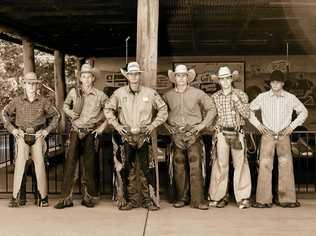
x=235, y=98
x=197, y=129
x=170, y=129
x=41, y=134
x=74, y=115
x=262, y=129
x=122, y=131
x=149, y=129
x=18, y=133
x=287, y=131
x=100, y=129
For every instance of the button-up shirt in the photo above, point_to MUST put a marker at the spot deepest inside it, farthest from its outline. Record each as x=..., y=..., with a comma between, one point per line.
x=92, y=110
x=188, y=107
x=276, y=111
x=21, y=113
x=135, y=109
x=231, y=114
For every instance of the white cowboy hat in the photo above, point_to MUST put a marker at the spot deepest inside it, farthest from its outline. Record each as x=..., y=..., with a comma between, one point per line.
x=87, y=68
x=181, y=69
x=132, y=67
x=30, y=77
x=225, y=72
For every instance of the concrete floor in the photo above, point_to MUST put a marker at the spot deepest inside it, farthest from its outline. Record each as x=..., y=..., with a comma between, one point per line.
x=105, y=219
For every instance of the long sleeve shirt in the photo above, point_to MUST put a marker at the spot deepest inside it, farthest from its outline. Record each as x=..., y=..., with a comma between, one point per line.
x=135, y=109
x=22, y=114
x=92, y=110
x=188, y=107
x=231, y=113
x=276, y=111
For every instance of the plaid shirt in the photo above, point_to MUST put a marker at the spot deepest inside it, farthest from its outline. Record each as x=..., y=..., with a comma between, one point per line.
x=229, y=112
x=21, y=113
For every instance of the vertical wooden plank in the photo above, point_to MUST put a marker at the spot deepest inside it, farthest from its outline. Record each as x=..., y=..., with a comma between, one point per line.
x=147, y=40
x=60, y=86
x=146, y=56
x=28, y=56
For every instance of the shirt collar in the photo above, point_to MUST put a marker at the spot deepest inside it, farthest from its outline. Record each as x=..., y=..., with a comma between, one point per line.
x=26, y=98
x=186, y=89
x=282, y=94
x=133, y=92
x=93, y=91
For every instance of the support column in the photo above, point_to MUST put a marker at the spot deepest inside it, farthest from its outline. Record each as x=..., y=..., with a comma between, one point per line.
x=60, y=86
x=146, y=56
x=28, y=56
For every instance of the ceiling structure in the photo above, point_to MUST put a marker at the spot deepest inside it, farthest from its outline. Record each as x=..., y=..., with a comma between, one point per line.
x=186, y=27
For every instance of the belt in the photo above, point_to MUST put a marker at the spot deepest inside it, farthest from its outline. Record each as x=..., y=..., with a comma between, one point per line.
x=32, y=130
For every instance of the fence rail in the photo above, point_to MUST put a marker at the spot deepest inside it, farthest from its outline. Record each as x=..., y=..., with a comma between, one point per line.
x=303, y=149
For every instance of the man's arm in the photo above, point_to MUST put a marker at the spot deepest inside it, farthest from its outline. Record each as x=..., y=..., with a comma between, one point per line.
x=51, y=113
x=301, y=112
x=6, y=114
x=162, y=110
x=241, y=102
x=255, y=105
x=210, y=108
x=68, y=103
x=102, y=127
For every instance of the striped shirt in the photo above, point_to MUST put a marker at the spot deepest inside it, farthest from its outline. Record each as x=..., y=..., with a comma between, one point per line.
x=277, y=111
x=231, y=114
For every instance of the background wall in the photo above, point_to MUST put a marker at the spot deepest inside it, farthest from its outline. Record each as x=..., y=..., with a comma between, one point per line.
x=301, y=81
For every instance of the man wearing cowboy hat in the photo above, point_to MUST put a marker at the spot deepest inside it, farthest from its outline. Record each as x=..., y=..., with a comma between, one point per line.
x=185, y=122
x=276, y=106
x=25, y=117
x=85, y=110
x=232, y=108
x=135, y=106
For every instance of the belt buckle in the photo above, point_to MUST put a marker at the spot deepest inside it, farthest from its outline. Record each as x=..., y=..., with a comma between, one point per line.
x=30, y=130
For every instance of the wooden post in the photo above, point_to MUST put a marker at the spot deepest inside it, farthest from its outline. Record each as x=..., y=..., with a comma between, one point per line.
x=146, y=56
x=147, y=40
x=28, y=56
x=60, y=86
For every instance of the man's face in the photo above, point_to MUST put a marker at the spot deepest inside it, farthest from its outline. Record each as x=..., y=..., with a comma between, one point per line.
x=181, y=79
x=133, y=78
x=30, y=88
x=87, y=79
x=226, y=82
x=276, y=86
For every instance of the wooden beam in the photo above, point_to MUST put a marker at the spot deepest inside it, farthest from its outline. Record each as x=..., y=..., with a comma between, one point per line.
x=146, y=56
x=147, y=40
x=60, y=86
x=28, y=56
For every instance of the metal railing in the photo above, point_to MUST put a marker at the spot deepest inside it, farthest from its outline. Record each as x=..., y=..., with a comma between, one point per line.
x=303, y=149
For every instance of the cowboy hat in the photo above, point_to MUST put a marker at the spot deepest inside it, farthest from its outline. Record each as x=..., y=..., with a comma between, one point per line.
x=87, y=68
x=225, y=72
x=277, y=75
x=132, y=67
x=30, y=77
x=181, y=69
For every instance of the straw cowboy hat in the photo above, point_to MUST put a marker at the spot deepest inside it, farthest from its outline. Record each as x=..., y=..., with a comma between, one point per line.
x=181, y=69
x=225, y=72
x=132, y=67
x=30, y=77
x=87, y=68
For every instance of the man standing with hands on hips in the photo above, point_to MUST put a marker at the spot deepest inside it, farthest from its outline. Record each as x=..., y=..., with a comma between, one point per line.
x=25, y=117
x=130, y=110
x=276, y=106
